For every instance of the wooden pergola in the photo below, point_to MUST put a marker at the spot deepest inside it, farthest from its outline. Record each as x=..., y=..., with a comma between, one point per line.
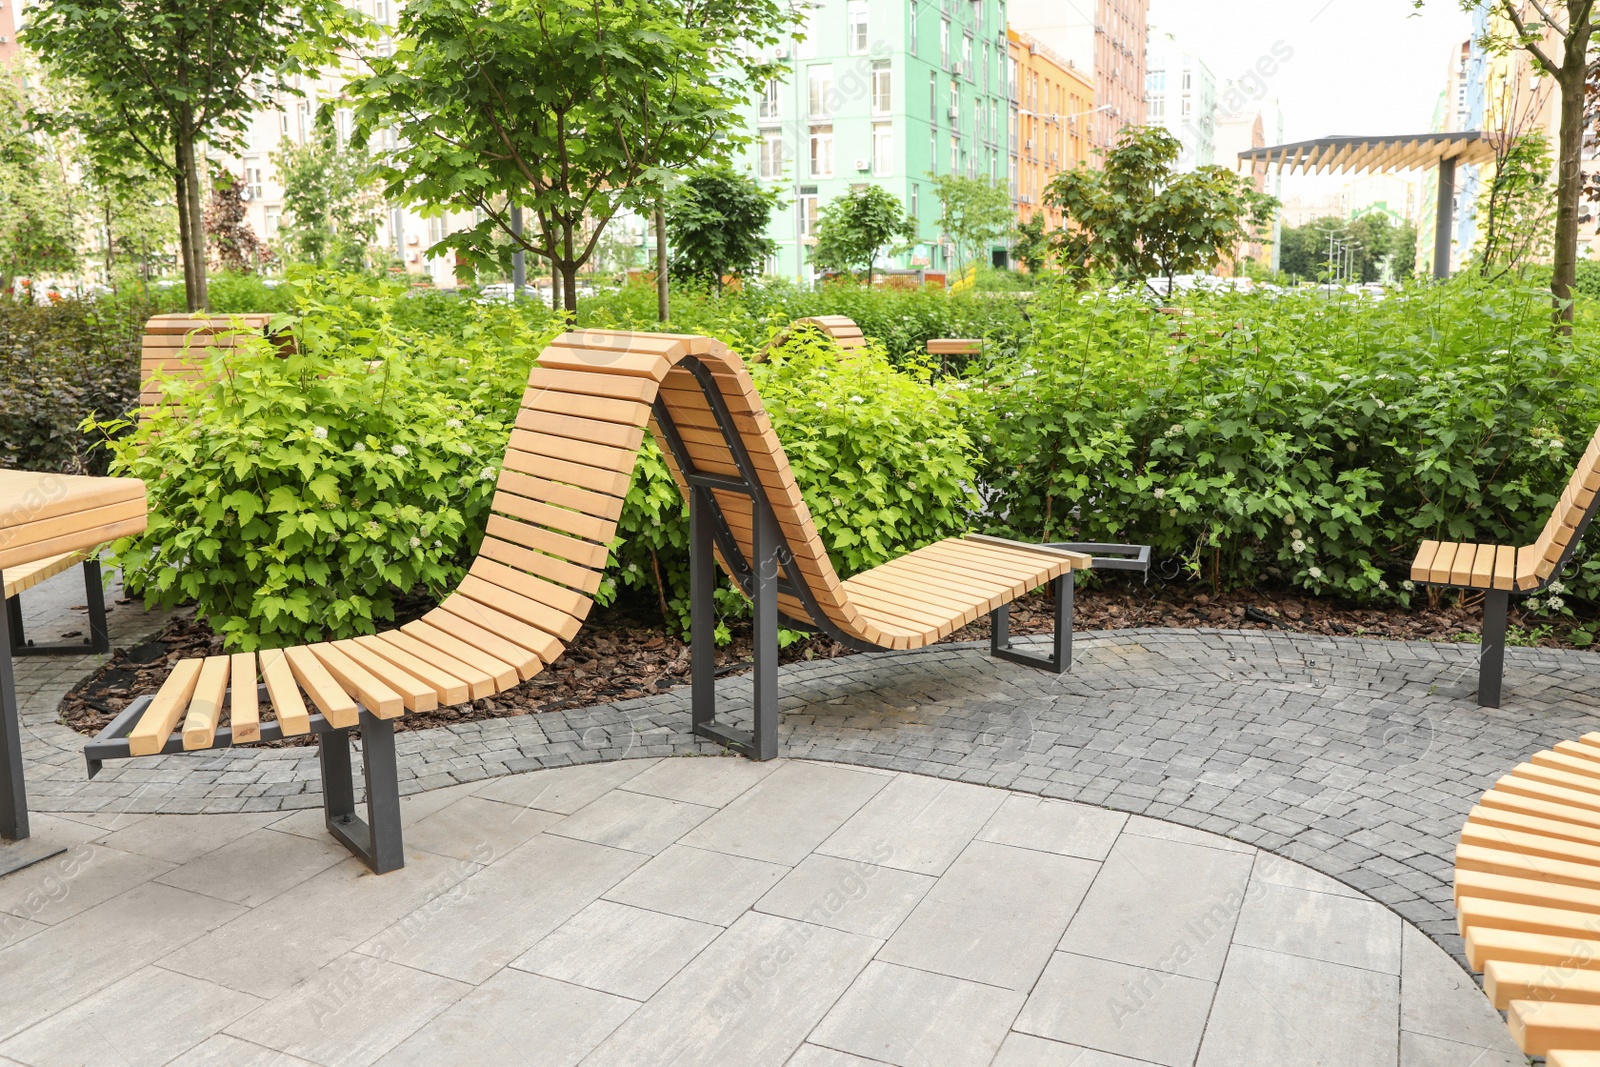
x=1350, y=155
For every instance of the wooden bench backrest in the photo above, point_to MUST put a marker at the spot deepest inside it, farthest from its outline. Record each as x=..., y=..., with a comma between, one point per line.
x=1559, y=539
x=845, y=333
x=179, y=345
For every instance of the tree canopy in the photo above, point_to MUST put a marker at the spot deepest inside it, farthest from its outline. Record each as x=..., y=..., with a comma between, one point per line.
x=855, y=228
x=1139, y=217
x=331, y=201
x=569, y=109
x=156, y=78
x=717, y=220
x=973, y=213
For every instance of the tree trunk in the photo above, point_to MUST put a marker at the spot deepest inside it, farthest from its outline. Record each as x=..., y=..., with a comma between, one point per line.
x=663, y=309
x=194, y=273
x=185, y=246
x=1569, y=180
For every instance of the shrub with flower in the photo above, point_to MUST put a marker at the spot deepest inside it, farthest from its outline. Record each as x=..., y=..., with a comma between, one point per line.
x=295, y=499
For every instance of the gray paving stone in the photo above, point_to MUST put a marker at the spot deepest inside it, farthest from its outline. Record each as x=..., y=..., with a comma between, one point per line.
x=1025, y=1050
x=1417, y=1050
x=694, y=883
x=994, y=916
x=618, y=949
x=1441, y=1000
x=1054, y=826
x=850, y=895
x=788, y=813
x=1276, y=1008
x=1335, y=928
x=1166, y=905
x=1145, y=1015
x=914, y=824
x=912, y=1018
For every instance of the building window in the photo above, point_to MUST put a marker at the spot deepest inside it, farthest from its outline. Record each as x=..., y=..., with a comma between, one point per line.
x=933, y=99
x=397, y=228
x=769, y=100
x=821, y=81
x=252, y=180
x=856, y=27
x=772, y=155
x=916, y=203
x=955, y=155
x=911, y=41
x=882, y=149
x=273, y=215
x=977, y=13
x=933, y=151
x=966, y=58
x=1157, y=108
x=1156, y=81
x=1011, y=85
x=985, y=82
x=822, y=152
x=955, y=104
x=944, y=43
x=882, y=88
x=808, y=215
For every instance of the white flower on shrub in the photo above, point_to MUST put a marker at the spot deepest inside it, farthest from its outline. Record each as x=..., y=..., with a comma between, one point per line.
x=454, y=424
x=1382, y=583
x=1349, y=446
x=821, y=406
x=1158, y=492
x=486, y=475
x=319, y=432
x=1315, y=572
x=1296, y=534
x=1408, y=585
x=1555, y=603
x=1557, y=587
x=438, y=544
x=838, y=503
x=358, y=447
x=416, y=542
x=1298, y=546
x=1175, y=430
x=858, y=400
x=1533, y=603
x=466, y=448
x=400, y=450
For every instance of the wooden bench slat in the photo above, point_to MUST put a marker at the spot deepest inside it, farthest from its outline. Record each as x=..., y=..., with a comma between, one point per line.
x=1485, y=943
x=590, y=383
x=1506, y=980
x=205, y=705
x=543, y=644
x=561, y=520
x=593, y=408
x=583, y=552
x=1522, y=889
x=462, y=638
x=375, y=696
x=1504, y=861
x=604, y=361
x=244, y=705
x=337, y=706
x=584, y=579
x=149, y=735
x=1571, y=1058
x=593, y=431
x=1541, y=1027
x=474, y=683
x=25, y=576
x=1501, y=818
x=294, y=719
x=1487, y=913
x=559, y=625
x=610, y=482
x=561, y=494
x=1554, y=810
x=1562, y=761
x=417, y=693
x=1461, y=567
x=1422, y=565
x=601, y=457
x=1528, y=843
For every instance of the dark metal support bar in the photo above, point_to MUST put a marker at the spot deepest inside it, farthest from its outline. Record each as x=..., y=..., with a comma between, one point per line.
x=1444, y=219
x=1060, y=659
x=99, y=639
x=765, y=611
x=13, y=793
x=1492, y=654
x=376, y=840
x=702, y=610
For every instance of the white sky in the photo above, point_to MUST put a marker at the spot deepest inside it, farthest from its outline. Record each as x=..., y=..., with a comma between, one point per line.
x=1357, y=66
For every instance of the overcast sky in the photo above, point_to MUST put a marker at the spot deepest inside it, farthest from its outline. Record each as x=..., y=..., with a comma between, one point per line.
x=1354, y=66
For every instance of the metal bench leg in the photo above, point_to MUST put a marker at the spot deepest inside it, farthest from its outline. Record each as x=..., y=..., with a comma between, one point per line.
x=13, y=796
x=1060, y=659
x=18, y=642
x=702, y=611
x=95, y=597
x=377, y=840
x=1492, y=654
x=765, y=614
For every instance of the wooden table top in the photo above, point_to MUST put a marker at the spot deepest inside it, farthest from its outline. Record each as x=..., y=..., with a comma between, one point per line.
x=44, y=514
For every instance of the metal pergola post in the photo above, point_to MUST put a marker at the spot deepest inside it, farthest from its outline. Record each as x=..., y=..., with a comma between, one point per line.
x=1444, y=218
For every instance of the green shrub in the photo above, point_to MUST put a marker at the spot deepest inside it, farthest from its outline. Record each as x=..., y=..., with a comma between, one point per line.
x=1296, y=438
x=882, y=456
x=295, y=499
x=60, y=364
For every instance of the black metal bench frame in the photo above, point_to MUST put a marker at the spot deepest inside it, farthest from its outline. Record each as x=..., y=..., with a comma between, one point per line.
x=15, y=638
x=375, y=840
x=710, y=535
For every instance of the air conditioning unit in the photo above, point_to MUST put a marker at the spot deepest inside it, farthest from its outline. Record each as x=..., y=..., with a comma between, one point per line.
x=1054, y=157
x=244, y=194
x=955, y=112
x=1033, y=48
x=1029, y=144
x=863, y=164
x=956, y=70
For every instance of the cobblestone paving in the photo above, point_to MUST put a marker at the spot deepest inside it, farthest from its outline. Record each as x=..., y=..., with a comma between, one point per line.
x=1358, y=758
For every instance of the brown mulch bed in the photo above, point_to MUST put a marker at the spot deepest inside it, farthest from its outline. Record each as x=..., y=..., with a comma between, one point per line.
x=625, y=651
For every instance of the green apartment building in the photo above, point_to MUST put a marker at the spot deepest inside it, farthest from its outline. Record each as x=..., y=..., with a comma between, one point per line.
x=882, y=92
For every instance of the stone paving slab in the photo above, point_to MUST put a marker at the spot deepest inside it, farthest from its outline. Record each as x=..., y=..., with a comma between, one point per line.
x=1357, y=758
x=552, y=949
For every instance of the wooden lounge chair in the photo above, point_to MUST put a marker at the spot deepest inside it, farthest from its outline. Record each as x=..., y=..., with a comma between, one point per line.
x=1501, y=571
x=177, y=346
x=561, y=488
x=841, y=328
x=1527, y=894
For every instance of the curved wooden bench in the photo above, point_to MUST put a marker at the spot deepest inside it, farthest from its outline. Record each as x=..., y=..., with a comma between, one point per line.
x=1527, y=893
x=178, y=346
x=841, y=328
x=1501, y=571
x=566, y=471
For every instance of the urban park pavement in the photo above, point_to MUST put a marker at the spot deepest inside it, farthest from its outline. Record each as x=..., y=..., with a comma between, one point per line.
x=961, y=861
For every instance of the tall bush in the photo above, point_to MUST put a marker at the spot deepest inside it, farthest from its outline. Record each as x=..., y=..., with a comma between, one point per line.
x=1301, y=439
x=300, y=498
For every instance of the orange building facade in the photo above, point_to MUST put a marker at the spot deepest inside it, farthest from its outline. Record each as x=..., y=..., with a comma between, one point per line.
x=1052, y=122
